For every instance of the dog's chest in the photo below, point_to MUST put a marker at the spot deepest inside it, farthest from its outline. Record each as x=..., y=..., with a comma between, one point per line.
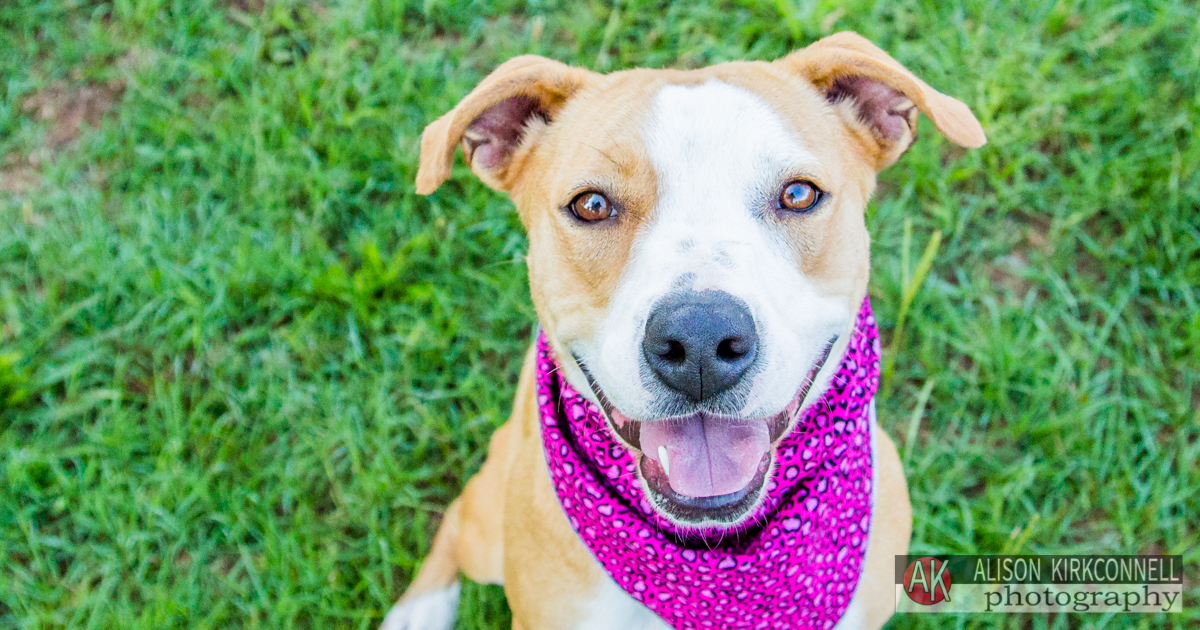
x=612, y=609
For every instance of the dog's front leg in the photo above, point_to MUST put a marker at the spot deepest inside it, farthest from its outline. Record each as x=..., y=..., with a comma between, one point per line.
x=470, y=538
x=431, y=601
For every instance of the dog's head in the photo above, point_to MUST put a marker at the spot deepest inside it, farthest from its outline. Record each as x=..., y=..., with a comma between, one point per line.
x=697, y=248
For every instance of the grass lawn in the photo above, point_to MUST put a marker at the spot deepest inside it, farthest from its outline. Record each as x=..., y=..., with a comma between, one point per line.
x=243, y=367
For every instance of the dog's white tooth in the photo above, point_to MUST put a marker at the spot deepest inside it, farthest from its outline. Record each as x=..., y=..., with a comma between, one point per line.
x=662, y=459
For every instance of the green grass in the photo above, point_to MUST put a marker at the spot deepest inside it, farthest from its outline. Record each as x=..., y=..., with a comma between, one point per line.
x=243, y=367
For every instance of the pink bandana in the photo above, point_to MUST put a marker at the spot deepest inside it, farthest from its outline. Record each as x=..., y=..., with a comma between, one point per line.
x=794, y=564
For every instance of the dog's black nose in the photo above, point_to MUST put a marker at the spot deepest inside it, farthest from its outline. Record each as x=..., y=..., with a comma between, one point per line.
x=700, y=343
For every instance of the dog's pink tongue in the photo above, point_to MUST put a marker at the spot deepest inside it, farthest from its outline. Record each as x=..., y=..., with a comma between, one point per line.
x=707, y=456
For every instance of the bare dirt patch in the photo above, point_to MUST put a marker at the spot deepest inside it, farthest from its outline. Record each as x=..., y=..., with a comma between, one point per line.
x=17, y=175
x=1012, y=271
x=249, y=6
x=67, y=108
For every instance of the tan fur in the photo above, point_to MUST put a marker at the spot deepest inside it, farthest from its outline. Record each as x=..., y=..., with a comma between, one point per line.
x=550, y=82
x=507, y=527
x=891, y=527
x=851, y=54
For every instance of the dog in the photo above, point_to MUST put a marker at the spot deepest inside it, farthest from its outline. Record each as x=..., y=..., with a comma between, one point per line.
x=693, y=441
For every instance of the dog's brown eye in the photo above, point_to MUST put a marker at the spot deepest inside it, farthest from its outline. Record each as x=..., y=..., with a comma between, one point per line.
x=799, y=196
x=591, y=206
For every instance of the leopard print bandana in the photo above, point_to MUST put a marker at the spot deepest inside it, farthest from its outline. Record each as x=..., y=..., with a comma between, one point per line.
x=794, y=564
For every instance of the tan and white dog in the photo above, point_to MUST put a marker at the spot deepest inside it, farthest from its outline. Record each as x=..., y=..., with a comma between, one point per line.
x=696, y=239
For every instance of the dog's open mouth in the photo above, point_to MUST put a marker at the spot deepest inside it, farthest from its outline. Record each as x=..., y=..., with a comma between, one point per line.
x=706, y=468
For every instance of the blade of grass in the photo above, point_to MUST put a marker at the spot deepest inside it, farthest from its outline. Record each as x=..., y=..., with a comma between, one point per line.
x=910, y=293
x=914, y=421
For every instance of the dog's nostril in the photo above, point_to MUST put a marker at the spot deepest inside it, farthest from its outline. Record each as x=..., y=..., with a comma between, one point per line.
x=700, y=343
x=731, y=349
x=675, y=352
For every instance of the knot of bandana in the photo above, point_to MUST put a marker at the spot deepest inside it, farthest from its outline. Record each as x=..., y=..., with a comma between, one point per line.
x=794, y=564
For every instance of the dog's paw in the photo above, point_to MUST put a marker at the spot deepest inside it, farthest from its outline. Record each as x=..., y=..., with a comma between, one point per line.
x=431, y=611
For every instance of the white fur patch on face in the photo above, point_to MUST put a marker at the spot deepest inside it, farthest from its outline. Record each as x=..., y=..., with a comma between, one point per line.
x=720, y=154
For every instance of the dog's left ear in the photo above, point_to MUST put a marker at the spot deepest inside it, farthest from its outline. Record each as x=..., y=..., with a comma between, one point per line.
x=879, y=97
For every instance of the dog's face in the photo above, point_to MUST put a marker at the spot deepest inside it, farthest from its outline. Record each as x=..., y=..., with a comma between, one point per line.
x=697, y=246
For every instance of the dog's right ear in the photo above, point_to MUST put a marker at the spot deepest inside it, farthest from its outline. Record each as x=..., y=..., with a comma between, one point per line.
x=490, y=123
x=879, y=97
